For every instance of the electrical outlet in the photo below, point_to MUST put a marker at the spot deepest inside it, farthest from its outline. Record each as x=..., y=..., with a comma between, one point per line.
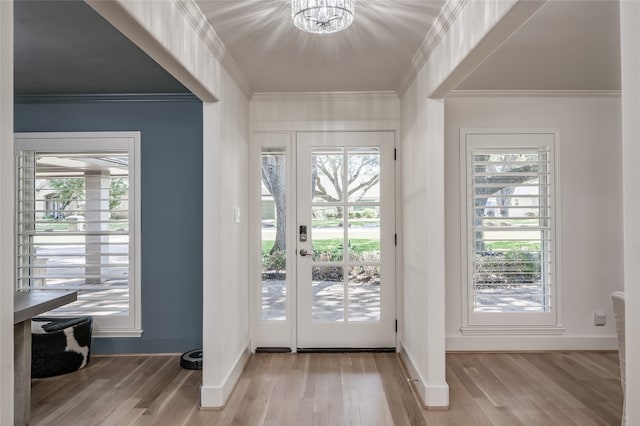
x=599, y=318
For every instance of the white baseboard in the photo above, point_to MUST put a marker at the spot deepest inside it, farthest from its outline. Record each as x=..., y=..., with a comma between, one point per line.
x=437, y=397
x=217, y=396
x=531, y=343
x=414, y=376
x=432, y=396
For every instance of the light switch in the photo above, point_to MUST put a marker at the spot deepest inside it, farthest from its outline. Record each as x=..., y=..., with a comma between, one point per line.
x=236, y=215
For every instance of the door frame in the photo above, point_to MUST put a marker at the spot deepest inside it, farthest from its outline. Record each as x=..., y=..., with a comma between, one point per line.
x=283, y=334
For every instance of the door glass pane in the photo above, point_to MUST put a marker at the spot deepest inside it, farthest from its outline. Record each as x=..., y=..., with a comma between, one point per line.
x=364, y=293
x=327, y=294
x=364, y=234
x=327, y=174
x=364, y=174
x=274, y=267
x=327, y=233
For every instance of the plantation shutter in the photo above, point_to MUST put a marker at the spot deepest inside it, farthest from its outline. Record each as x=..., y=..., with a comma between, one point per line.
x=510, y=229
x=73, y=227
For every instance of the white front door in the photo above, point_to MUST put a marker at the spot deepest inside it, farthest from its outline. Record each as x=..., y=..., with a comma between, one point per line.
x=345, y=232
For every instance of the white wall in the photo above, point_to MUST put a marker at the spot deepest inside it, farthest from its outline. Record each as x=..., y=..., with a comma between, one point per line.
x=225, y=280
x=226, y=346
x=303, y=111
x=590, y=177
x=474, y=32
x=178, y=37
x=6, y=213
x=630, y=40
x=422, y=344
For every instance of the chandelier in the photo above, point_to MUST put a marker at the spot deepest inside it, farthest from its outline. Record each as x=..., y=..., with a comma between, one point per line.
x=322, y=16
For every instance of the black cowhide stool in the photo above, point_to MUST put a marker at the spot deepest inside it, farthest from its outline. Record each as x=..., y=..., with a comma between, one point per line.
x=59, y=345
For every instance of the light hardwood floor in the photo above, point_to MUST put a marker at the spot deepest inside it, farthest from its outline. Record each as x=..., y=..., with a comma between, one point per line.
x=366, y=389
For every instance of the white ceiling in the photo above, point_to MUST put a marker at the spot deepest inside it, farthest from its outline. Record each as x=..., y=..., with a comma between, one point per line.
x=568, y=45
x=372, y=54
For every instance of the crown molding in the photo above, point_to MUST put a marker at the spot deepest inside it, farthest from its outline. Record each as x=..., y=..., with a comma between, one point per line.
x=533, y=93
x=326, y=96
x=211, y=39
x=440, y=27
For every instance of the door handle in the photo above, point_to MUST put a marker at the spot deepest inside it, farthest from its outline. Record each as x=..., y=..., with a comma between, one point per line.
x=304, y=252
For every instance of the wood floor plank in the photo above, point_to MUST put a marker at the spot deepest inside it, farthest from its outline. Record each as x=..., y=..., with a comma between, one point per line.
x=174, y=403
x=401, y=401
x=45, y=406
x=157, y=383
x=556, y=391
x=465, y=409
x=526, y=393
x=72, y=408
x=348, y=375
x=279, y=390
x=366, y=389
x=125, y=413
x=584, y=395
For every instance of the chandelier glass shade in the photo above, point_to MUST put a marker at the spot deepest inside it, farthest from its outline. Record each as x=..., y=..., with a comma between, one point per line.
x=322, y=16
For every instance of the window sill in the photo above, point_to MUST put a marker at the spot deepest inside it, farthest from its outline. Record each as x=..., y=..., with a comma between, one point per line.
x=506, y=330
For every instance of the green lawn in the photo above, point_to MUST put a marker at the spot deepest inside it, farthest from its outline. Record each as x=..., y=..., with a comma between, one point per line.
x=335, y=223
x=54, y=226
x=513, y=245
x=61, y=225
x=501, y=221
x=358, y=245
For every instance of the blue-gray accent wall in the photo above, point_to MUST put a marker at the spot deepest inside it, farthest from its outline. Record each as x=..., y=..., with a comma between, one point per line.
x=171, y=204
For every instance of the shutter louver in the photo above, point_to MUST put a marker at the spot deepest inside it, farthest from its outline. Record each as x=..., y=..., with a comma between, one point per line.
x=511, y=222
x=73, y=227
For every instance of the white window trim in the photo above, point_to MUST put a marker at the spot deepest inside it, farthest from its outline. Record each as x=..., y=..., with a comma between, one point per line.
x=509, y=323
x=104, y=326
